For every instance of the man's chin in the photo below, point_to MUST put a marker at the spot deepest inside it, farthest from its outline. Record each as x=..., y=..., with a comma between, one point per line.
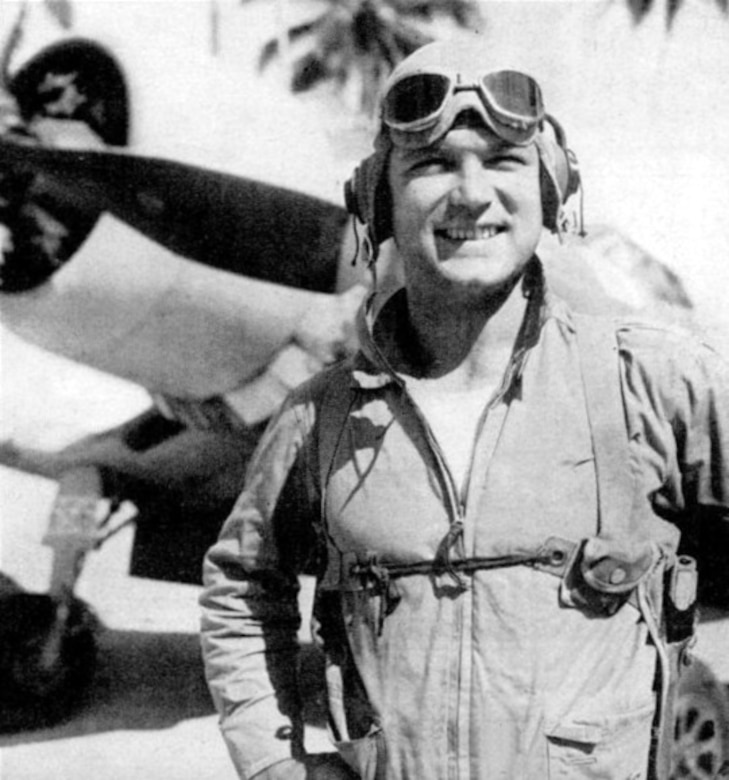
x=479, y=278
x=485, y=267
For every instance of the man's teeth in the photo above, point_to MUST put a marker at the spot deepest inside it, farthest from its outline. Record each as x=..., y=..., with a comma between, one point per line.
x=470, y=234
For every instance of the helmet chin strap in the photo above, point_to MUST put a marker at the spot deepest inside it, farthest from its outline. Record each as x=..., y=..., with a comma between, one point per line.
x=368, y=248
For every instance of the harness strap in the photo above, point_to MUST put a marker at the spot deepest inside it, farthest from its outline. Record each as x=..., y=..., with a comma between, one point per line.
x=600, y=370
x=556, y=556
x=333, y=414
x=553, y=556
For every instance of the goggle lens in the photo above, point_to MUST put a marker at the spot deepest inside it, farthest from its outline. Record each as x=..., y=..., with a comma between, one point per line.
x=415, y=98
x=514, y=94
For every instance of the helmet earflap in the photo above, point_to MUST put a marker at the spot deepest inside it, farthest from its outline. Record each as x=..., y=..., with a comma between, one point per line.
x=367, y=197
x=559, y=173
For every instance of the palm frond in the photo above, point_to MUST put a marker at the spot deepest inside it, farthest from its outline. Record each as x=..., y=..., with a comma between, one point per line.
x=390, y=48
x=309, y=71
x=672, y=8
x=61, y=11
x=270, y=49
x=465, y=13
x=409, y=38
x=639, y=9
x=12, y=42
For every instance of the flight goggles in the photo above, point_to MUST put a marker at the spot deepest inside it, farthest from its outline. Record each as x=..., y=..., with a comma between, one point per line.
x=420, y=107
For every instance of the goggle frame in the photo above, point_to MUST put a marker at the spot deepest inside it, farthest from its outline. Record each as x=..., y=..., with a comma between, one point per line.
x=516, y=128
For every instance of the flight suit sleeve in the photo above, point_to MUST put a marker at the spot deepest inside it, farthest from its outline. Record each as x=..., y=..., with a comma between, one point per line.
x=701, y=426
x=676, y=389
x=250, y=614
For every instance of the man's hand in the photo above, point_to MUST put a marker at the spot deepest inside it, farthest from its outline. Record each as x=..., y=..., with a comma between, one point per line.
x=327, y=331
x=320, y=766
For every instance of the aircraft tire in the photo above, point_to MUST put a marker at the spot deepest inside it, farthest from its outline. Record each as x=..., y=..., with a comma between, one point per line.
x=701, y=747
x=47, y=659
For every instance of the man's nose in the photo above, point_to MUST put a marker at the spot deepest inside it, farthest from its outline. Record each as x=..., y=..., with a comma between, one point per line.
x=474, y=186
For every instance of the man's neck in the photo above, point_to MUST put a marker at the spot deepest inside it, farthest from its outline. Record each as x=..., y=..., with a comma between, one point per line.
x=465, y=345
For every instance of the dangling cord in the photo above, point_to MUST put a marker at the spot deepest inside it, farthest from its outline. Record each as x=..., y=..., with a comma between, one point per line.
x=562, y=223
x=357, y=243
x=443, y=559
x=370, y=253
x=582, y=232
x=366, y=245
x=368, y=248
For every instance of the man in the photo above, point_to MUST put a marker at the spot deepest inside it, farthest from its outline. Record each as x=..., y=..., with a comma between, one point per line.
x=490, y=497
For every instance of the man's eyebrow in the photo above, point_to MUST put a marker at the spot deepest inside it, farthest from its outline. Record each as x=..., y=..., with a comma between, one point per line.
x=410, y=155
x=498, y=147
x=501, y=146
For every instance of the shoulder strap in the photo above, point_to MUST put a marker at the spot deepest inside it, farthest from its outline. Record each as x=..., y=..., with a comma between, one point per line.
x=600, y=368
x=332, y=416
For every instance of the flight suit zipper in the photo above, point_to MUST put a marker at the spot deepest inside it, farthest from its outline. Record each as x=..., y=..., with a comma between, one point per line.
x=458, y=748
x=458, y=731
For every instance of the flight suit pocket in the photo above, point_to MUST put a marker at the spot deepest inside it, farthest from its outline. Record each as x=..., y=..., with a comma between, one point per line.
x=365, y=755
x=608, y=747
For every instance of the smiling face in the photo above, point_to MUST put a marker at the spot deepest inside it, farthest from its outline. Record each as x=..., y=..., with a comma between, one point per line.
x=467, y=212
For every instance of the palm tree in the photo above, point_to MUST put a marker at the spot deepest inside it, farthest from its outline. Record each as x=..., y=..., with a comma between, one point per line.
x=362, y=39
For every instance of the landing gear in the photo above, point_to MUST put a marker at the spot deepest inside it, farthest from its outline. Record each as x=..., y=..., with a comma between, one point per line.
x=48, y=640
